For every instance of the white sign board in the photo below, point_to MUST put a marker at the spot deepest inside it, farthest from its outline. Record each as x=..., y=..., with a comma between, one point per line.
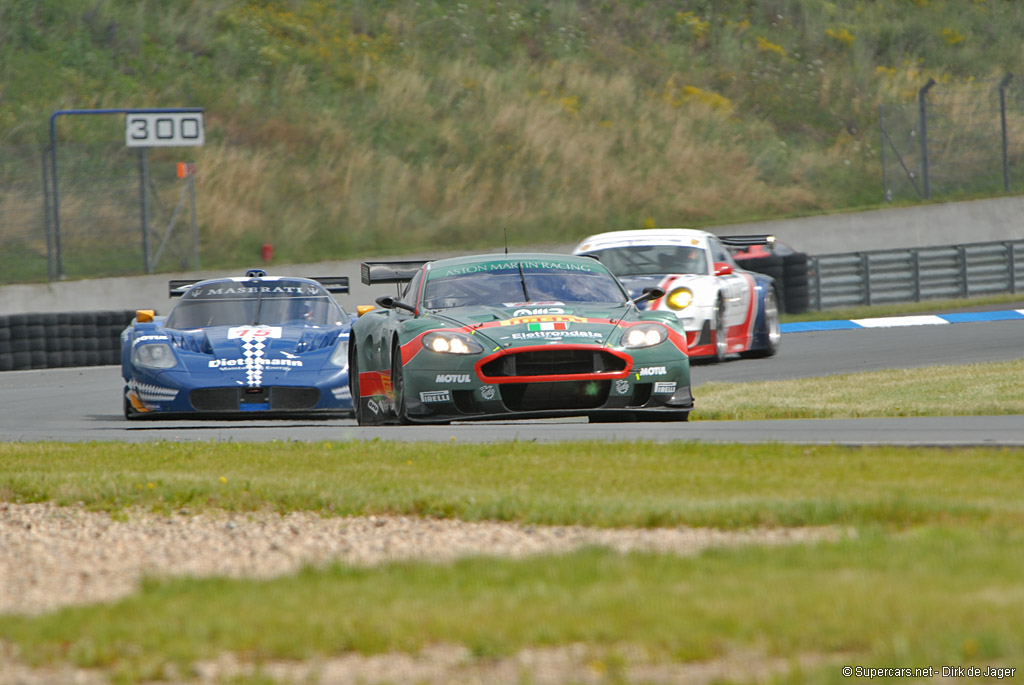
x=166, y=129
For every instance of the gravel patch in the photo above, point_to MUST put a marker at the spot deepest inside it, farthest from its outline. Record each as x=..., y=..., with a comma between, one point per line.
x=52, y=556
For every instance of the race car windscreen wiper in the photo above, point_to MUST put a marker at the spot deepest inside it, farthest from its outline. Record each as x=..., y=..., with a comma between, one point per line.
x=522, y=279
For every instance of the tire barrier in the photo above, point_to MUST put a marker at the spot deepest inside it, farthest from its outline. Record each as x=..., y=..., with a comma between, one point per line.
x=51, y=340
x=791, y=278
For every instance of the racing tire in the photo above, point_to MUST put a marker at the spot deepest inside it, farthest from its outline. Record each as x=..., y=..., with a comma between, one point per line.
x=770, y=330
x=798, y=299
x=398, y=386
x=721, y=338
x=795, y=264
x=771, y=265
x=353, y=388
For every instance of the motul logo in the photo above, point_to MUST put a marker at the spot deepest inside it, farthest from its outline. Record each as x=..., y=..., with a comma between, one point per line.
x=452, y=378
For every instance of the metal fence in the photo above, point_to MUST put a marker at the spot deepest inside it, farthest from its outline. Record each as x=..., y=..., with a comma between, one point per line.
x=115, y=211
x=964, y=139
x=916, y=274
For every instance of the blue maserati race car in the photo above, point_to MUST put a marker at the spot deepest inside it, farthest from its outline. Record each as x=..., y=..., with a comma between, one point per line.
x=240, y=347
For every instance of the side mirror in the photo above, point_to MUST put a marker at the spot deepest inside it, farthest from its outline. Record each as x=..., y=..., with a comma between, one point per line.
x=722, y=269
x=649, y=294
x=389, y=302
x=363, y=309
x=144, y=315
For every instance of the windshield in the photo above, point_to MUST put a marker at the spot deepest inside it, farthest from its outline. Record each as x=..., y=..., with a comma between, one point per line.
x=653, y=260
x=501, y=284
x=242, y=304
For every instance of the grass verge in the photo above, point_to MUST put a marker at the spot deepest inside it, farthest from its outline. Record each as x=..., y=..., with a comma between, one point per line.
x=969, y=390
x=589, y=483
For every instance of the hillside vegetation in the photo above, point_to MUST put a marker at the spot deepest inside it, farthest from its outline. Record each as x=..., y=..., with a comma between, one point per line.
x=356, y=127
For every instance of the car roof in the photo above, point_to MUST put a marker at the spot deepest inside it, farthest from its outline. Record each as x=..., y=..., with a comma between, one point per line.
x=645, y=236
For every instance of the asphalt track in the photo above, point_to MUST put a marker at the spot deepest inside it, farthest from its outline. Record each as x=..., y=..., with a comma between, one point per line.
x=84, y=404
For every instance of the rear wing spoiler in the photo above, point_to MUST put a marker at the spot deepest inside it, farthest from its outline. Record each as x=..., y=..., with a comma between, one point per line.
x=746, y=240
x=333, y=284
x=178, y=288
x=390, y=272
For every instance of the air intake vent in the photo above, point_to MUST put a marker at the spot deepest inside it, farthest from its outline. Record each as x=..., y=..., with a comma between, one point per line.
x=552, y=396
x=281, y=398
x=557, y=361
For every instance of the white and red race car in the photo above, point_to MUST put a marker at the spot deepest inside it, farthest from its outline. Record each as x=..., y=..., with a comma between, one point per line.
x=724, y=308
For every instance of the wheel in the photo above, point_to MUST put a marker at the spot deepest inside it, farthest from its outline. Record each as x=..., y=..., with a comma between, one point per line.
x=770, y=331
x=398, y=386
x=721, y=339
x=353, y=387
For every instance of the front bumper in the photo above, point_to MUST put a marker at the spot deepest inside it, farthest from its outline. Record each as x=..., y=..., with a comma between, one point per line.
x=446, y=388
x=177, y=392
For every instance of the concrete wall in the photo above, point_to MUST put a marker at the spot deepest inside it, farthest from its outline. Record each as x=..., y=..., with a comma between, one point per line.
x=938, y=224
x=951, y=223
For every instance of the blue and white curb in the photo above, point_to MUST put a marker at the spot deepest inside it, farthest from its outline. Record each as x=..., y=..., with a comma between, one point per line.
x=897, y=321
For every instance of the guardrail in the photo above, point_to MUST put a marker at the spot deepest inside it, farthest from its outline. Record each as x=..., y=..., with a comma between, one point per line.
x=915, y=274
x=42, y=341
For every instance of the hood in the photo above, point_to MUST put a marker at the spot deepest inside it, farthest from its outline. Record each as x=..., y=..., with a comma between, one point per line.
x=538, y=323
x=240, y=346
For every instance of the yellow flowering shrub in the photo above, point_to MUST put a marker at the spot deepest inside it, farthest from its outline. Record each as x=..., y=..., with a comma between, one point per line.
x=765, y=45
x=842, y=35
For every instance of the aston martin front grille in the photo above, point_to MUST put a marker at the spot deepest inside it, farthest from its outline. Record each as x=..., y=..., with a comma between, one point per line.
x=553, y=362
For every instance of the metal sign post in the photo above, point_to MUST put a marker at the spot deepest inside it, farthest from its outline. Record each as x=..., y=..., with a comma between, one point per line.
x=150, y=127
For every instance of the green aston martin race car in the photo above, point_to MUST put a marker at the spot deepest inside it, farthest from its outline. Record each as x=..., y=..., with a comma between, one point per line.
x=514, y=336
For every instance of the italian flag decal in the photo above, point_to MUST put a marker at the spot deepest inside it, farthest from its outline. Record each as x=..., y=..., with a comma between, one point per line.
x=548, y=326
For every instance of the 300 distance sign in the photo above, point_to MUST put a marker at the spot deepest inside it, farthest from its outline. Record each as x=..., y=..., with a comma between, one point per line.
x=163, y=129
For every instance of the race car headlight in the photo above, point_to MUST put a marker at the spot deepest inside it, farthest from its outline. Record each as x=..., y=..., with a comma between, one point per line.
x=679, y=298
x=154, y=356
x=340, y=355
x=644, y=335
x=449, y=342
